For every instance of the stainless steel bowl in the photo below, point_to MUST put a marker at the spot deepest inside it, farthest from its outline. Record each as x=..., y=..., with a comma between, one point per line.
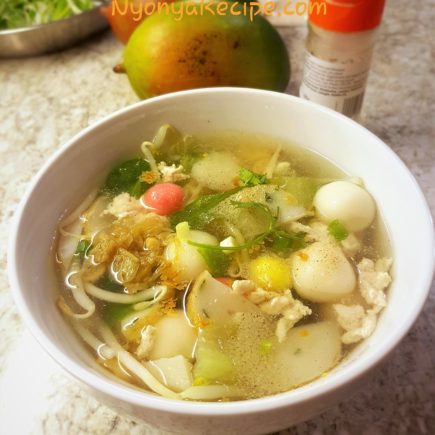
x=56, y=35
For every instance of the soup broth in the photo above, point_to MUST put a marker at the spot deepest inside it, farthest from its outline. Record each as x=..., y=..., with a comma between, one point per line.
x=221, y=268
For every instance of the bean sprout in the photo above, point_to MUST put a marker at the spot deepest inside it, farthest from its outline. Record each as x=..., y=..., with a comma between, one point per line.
x=122, y=298
x=130, y=363
x=102, y=349
x=271, y=165
x=74, y=282
x=78, y=211
x=149, y=156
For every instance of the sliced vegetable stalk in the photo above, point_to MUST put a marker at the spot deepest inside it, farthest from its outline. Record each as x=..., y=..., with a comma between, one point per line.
x=212, y=364
x=256, y=240
x=302, y=188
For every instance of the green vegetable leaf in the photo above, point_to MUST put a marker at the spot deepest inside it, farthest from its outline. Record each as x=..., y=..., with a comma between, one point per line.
x=217, y=261
x=283, y=242
x=337, y=230
x=125, y=178
x=114, y=313
x=188, y=160
x=106, y=283
x=249, y=178
x=82, y=248
x=200, y=212
x=23, y=13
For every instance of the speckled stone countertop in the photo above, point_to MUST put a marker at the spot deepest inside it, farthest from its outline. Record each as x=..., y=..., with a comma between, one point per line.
x=46, y=100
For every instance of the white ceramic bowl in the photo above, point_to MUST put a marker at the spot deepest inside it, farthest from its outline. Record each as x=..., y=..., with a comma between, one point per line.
x=67, y=177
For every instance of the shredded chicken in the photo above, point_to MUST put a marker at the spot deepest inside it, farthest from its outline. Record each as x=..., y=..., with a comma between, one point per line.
x=350, y=245
x=147, y=338
x=373, y=280
x=282, y=168
x=354, y=319
x=124, y=205
x=172, y=174
x=357, y=323
x=315, y=232
x=283, y=304
x=349, y=316
x=290, y=316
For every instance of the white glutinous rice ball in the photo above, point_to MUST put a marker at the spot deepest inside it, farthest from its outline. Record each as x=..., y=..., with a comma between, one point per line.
x=216, y=171
x=321, y=273
x=349, y=203
x=186, y=258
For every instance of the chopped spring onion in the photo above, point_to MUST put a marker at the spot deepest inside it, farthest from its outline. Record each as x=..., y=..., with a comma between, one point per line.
x=249, y=178
x=337, y=230
x=265, y=347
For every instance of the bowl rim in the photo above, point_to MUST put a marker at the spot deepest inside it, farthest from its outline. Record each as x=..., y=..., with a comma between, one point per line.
x=343, y=378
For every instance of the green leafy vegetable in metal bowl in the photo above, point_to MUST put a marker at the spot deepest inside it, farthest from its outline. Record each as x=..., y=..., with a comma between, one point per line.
x=25, y=13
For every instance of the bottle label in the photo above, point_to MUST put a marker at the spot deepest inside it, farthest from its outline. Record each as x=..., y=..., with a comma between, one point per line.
x=339, y=86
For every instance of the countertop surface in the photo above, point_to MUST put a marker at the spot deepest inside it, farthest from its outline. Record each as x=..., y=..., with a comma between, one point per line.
x=44, y=101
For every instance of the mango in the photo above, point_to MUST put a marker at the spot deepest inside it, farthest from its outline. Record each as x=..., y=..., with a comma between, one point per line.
x=125, y=15
x=185, y=46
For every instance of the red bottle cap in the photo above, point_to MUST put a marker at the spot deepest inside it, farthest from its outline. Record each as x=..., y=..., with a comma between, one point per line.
x=346, y=15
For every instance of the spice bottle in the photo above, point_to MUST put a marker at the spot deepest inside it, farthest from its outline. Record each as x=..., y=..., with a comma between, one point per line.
x=339, y=46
